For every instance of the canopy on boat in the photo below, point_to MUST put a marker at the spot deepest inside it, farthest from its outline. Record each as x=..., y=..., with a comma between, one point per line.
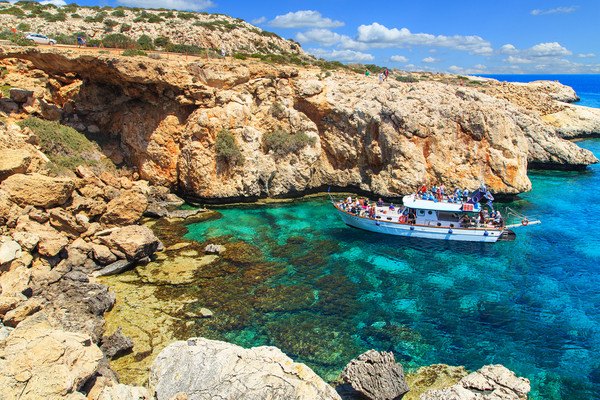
x=411, y=202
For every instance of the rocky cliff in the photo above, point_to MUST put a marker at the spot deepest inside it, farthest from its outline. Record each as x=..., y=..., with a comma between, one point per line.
x=300, y=130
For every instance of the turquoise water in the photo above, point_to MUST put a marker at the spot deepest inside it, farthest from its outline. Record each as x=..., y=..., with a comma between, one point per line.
x=333, y=292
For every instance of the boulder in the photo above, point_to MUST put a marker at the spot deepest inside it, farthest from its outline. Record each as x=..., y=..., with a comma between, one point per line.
x=116, y=344
x=8, y=303
x=39, y=361
x=106, y=389
x=114, y=268
x=51, y=241
x=14, y=281
x=135, y=241
x=214, y=249
x=102, y=254
x=22, y=311
x=8, y=105
x=20, y=95
x=125, y=210
x=27, y=240
x=491, y=382
x=208, y=369
x=13, y=161
x=66, y=223
x=38, y=190
x=9, y=251
x=376, y=375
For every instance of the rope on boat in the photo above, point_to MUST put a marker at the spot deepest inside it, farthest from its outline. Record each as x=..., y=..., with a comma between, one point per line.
x=510, y=213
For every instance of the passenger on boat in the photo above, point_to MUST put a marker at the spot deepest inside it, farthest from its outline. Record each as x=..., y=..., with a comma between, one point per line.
x=392, y=207
x=465, y=195
x=465, y=221
x=423, y=189
x=411, y=217
x=498, y=219
x=349, y=200
x=380, y=202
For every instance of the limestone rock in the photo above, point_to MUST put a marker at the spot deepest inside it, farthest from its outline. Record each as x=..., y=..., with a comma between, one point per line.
x=9, y=251
x=38, y=190
x=51, y=241
x=13, y=161
x=27, y=240
x=135, y=241
x=491, y=382
x=213, y=249
x=20, y=95
x=8, y=303
x=125, y=210
x=15, y=281
x=114, y=268
x=206, y=369
x=22, y=311
x=125, y=392
x=102, y=254
x=116, y=344
x=376, y=375
x=39, y=361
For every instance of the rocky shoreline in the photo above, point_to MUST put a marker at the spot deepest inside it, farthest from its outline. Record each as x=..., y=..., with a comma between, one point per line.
x=58, y=236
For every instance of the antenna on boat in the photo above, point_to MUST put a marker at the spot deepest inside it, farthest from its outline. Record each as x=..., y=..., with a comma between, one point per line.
x=329, y=193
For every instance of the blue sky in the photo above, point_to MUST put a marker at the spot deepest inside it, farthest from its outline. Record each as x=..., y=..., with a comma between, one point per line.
x=476, y=37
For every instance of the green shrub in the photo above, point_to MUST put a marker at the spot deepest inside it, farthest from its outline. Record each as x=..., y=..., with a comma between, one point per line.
x=239, y=56
x=186, y=15
x=118, y=13
x=125, y=28
x=145, y=42
x=161, y=41
x=167, y=14
x=76, y=16
x=16, y=11
x=117, y=40
x=65, y=147
x=154, y=19
x=58, y=17
x=407, y=79
x=23, y=27
x=111, y=23
x=226, y=148
x=282, y=143
x=133, y=53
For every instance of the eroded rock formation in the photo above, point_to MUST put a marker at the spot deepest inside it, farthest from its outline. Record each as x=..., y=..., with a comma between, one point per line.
x=384, y=139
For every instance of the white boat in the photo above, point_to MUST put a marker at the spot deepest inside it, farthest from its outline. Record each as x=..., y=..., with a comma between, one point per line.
x=430, y=219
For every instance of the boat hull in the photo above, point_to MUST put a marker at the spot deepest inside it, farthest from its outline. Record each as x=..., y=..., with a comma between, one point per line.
x=419, y=231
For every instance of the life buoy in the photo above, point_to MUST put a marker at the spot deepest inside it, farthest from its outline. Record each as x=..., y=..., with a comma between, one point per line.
x=525, y=221
x=402, y=219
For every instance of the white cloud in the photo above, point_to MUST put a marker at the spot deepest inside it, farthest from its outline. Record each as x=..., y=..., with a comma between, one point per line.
x=57, y=3
x=517, y=60
x=552, y=49
x=554, y=10
x=589, y=55
x=399, y=59
x=195, y=5
x=303, y=19
x=341, y=55
x=455, y=69
x=379, y=36
x=324, y=37
x=508, y=49
x=430, y=60
x=258, y=20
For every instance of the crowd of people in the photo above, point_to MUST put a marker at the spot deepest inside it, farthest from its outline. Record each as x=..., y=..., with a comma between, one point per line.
x=362, y=207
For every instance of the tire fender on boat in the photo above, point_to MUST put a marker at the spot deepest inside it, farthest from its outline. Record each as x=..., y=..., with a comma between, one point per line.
x=525, y=222
x=402, y=219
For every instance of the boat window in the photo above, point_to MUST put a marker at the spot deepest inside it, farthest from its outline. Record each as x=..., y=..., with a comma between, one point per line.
x=429, y=212
x=421, y=212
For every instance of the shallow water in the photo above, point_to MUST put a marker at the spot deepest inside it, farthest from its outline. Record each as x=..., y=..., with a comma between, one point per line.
x=324, y=292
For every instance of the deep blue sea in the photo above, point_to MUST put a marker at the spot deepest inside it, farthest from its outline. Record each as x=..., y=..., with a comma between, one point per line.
x=327, y=292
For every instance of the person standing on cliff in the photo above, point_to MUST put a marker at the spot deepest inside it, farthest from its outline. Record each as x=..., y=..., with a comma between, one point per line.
x=380, y=77
x=367, y=72
x=386, y=73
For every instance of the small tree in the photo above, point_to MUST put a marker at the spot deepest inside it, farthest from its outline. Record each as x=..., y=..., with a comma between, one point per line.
x=226, y=148
x=145, y=42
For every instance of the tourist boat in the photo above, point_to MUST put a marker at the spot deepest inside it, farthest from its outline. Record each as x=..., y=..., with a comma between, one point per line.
x=430, y=218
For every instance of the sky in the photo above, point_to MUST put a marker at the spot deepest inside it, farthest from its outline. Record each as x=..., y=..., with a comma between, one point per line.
x=459, y=37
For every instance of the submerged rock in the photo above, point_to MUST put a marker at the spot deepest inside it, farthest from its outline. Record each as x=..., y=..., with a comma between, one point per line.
x=135, y=241
x=208, y=369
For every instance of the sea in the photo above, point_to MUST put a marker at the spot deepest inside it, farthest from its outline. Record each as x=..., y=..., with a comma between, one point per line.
x=324, y=293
